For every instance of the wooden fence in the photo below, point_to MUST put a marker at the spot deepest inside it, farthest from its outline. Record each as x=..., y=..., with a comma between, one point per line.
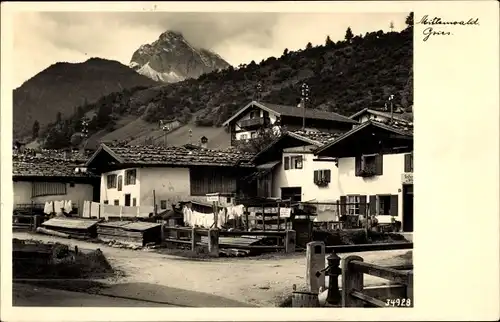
x=354, y=294
x=26, y=222
x=215, y=239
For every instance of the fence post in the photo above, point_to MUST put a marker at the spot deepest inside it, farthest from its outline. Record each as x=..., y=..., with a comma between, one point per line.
x=315, y=262
x=37, y=221
x=290, y=241
x=351, y=281
x=409, y=288
x=162, y=231
x=194, y=239
x=213, y=242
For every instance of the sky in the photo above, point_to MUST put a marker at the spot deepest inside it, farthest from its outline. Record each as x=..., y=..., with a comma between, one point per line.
x=41, y=39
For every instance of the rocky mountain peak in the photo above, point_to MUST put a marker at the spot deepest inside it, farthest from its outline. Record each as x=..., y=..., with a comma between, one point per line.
x=171, y=58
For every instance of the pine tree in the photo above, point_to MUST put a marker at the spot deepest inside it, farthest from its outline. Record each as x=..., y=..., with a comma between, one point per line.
x=409, y=20
x=391, y=26
x=348, y=34
x=309, y=45
x=285, y=52
x=328, y=42
x=36, y=129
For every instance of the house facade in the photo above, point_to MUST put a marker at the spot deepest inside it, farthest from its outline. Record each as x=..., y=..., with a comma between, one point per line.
x=162, y=176
x=39, y=179
x=375, y=172
x=246, y=123
x=289, y=169
x=367, y=114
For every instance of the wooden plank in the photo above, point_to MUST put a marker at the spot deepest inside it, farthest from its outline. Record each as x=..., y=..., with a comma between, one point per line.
x=252, y=233
x=140, y=226
x=170, y=240
x=380, y=271
x=71, y=223
x=368, y=299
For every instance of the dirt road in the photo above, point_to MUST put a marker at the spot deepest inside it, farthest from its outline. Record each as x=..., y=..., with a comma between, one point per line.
x=253, y=281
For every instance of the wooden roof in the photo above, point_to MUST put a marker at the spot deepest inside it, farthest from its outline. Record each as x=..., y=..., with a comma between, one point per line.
x=293, y=111
x=47, y=166
x=144, y=155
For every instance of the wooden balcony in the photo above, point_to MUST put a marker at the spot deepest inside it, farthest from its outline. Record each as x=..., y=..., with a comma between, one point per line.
x=254, y=122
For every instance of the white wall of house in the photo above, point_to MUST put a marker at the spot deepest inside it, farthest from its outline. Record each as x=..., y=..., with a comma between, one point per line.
x=248, y=134
x=112, y=194
x=304, y=178
x=390, y=182
x=169, y=184
x=77, y=194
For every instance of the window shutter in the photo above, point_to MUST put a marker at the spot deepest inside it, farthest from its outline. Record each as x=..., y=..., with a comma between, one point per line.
x=379, y=164
x=120, y=183
x=328, y=175
x=343, y=208
x=300, y=161
x=407, y=162
x=287, y=163
x=362, y=205
x=373, y=205
x=316, y=176
x=358, y=166
x=393, y=210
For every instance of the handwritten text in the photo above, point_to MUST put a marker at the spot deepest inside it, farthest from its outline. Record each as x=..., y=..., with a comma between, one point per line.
x=435, y=23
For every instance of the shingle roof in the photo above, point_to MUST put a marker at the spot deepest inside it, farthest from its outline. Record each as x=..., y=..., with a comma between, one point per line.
x=311, y=113
x=156, y=155
x=43, y=166
x=286, y=110
x=318, y=136
x=76, y=156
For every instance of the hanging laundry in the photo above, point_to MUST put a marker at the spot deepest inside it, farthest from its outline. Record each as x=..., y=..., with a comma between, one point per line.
x=68, y=206
x=49, y=207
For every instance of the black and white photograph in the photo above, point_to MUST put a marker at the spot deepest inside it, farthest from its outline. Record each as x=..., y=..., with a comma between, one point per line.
x=186, y=159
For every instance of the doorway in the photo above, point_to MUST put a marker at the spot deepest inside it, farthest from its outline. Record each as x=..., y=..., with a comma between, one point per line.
x=127, y=199
x=408, y=208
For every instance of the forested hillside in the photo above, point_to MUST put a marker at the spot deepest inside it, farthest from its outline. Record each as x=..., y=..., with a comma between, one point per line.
x=345, y=76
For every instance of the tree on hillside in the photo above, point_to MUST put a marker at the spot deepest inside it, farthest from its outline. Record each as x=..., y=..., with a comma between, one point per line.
x=285, y=52
x=36, y=129
x=309, y=45
x=391, y=26
x=409, y=20
x=328, y=42
x=348, y=34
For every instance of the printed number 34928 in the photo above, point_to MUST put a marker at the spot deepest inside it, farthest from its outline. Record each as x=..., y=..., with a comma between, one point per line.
x=398, y=302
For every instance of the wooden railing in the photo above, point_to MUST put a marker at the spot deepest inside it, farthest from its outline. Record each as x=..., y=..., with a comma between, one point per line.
x=193, y=237
x=26, y=222
x=353, y=294
x=399, y=293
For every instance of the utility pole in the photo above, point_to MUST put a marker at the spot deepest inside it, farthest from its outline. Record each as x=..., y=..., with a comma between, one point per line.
x=190, y=135
x=391, y=98
x=165, y=128
x=85, y=132
x=305, y=98
x=258, y=93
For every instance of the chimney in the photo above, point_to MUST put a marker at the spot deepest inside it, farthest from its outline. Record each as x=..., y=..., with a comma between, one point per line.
x=203, y=142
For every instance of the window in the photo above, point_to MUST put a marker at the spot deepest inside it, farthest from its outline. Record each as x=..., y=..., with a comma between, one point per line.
x=369, y=165
x=71, y=184
x=48, y=189
x=293, y=162
x=111, y=181
x=254, y=114
x=134, y=202
x=353, y=205
x=322, y=177
x=384, y=205
x=163, y=204
x=106, y=202
x=127, y=199
x=120, y=182
x=409, y=162
x=130, y=176
x=117, y=202
x=243, y=137
x=253, y=135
